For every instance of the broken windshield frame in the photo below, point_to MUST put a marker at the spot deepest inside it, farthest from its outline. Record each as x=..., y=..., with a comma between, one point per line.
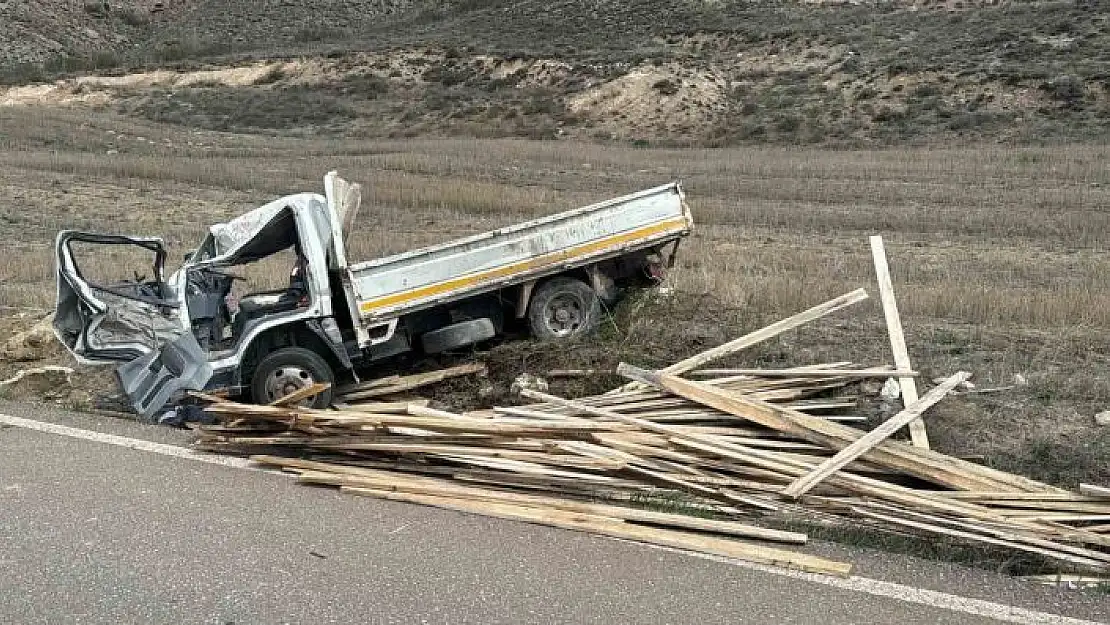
x=151, y=244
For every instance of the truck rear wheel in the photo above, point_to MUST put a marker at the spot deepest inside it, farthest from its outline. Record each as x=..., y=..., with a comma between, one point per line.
x=290, y=369
x=563, y=308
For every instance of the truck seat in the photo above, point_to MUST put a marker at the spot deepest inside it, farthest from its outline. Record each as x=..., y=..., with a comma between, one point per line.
x=258, y=305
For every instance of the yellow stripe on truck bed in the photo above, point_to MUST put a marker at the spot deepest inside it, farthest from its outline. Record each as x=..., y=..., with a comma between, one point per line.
x=539, y=262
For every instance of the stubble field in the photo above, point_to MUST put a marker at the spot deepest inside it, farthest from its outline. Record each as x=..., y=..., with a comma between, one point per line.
x=999, y=255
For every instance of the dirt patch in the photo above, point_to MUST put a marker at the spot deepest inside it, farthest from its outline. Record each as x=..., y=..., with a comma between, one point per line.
x=102, y=90
x=668, y=99
x=36, y=368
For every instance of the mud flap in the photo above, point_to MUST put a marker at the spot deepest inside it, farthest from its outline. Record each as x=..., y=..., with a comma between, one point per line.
x=150, y=381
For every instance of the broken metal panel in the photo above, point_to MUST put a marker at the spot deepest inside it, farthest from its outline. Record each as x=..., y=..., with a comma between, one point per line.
x=343, y=201
x=268, y=229
x=150, y=381
x=128, y=329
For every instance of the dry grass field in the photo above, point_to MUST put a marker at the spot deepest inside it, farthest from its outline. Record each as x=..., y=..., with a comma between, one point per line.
x=999, y=255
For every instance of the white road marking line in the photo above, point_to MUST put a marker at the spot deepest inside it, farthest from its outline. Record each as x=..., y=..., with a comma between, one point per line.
x=901, y=592
x=130, y=443
x=865, y=585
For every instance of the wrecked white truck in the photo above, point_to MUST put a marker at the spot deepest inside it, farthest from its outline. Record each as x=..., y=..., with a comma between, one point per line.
x=184, y=332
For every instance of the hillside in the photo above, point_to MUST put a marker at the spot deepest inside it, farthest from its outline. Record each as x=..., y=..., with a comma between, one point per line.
x=660, y=72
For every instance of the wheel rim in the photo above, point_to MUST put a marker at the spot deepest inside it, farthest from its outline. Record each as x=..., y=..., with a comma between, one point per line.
x=285, y=380
x=565, y=314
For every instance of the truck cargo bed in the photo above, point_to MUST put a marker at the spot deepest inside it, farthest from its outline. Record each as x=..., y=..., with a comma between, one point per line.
x=389, y=286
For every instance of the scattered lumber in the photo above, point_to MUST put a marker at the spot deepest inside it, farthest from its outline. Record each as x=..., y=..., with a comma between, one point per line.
x=610, y=466
x=496, y=465
x=868, y=441
x=606, y=526
x=919, y=463
x=684, y=456
x=762, y=334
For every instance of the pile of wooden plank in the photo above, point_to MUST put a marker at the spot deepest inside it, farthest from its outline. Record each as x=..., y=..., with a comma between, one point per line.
x=580, y=473
x=684, y=456
x=668, y=456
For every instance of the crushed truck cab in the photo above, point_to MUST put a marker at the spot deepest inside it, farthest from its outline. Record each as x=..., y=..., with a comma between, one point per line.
x=184, y=332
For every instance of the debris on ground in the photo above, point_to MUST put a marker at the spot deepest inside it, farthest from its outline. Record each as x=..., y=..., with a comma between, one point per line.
x=30, y=344
x=890, y=391
x=726, y=447
x=726, y=444
x=528, y=381
x=181, y=414
x=1103, y=418
x=542, y=467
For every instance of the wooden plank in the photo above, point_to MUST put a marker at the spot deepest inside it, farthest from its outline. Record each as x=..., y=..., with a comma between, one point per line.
x=1070, y=580
x=810, y=373
x=551, y=484
x=987, y=497
x=301, y=394
x=619, y=529
x=867, y=442
x=1094, y=507
x=410, y=382
x=369, y=384
x=1062, y=517
x=761, y=335
x=527, y=468
x=946, y=531
x=1010, y=534
x=577, y=373
x=1091, y=490
x=591, y=450
x=385, y=407
x=918, y=435
x=444, y=488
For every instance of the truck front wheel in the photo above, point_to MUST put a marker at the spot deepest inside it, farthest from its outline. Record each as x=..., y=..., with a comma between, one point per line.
x=290, y=369
x=563, y=308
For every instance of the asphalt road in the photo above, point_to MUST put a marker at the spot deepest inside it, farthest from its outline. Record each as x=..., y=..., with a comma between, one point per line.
x=96, y=533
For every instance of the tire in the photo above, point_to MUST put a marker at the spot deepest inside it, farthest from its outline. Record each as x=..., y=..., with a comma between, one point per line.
x=563, y=308
x=458, y=335
x=288, y=369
